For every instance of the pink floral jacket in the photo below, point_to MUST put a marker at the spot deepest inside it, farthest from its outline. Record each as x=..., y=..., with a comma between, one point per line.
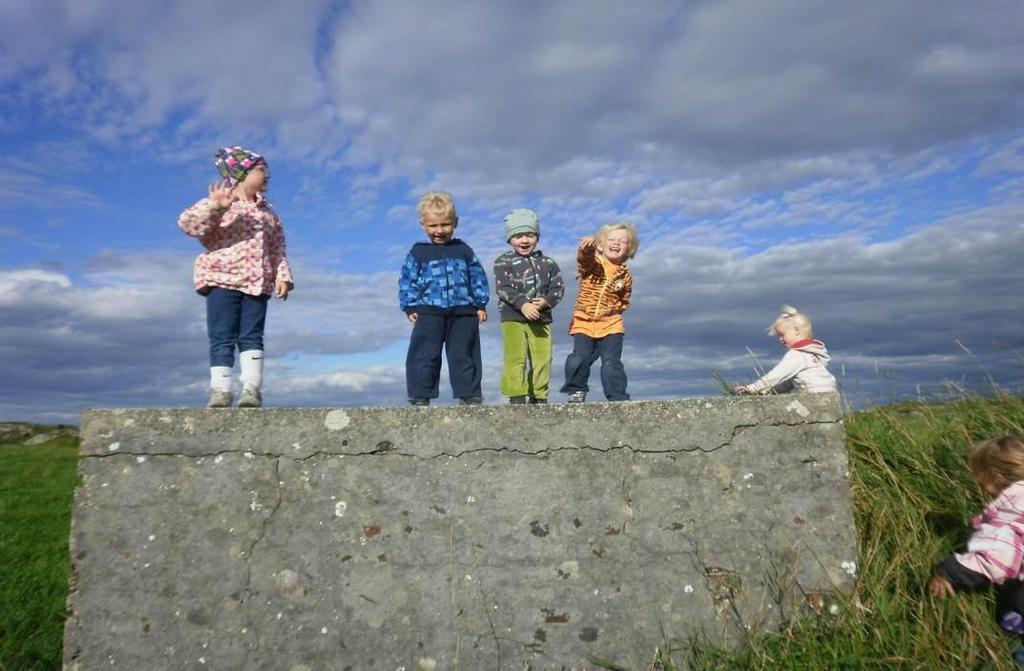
x=244, y=246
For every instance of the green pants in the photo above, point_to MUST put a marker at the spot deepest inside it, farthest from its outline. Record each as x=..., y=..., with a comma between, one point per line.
x=527, y=359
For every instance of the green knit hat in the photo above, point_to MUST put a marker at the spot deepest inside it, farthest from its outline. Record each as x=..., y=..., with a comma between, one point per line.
x=521, y=221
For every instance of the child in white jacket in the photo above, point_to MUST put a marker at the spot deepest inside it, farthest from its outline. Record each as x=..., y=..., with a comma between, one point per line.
x=803, y=368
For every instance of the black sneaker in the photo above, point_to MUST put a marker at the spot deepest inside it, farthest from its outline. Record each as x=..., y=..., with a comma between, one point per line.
x=471, y=400
x=578, y=397
x=419, y=400
x=538, y=401
x=517, y=400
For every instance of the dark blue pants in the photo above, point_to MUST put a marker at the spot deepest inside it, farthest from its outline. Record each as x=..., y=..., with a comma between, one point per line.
x=233, y=319
x=585, y=351
x=460, y=337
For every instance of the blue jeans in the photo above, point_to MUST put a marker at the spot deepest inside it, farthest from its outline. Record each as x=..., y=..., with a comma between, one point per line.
x=459, y=335
x=233, y=319
x=585, y=351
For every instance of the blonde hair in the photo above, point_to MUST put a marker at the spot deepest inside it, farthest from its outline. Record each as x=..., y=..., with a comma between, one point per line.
x=630, y=229
x=790, y=315
x=437, y=202
x=997, y=463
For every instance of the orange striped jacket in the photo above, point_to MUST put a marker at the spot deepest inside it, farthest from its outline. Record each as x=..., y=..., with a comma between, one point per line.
x=604, y=294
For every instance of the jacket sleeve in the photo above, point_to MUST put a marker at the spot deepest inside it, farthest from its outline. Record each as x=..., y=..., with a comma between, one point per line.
x=480, y=292
x=961, y=577
x=278, y=255
x=784, y=371
x=408, y=291
x=993, y=552
x=627, y=292
x=198, y=220
x=504, y=286
x=556, y=285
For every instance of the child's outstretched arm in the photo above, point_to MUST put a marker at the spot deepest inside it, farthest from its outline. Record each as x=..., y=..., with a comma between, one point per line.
x=783, y=371
x=586, y=257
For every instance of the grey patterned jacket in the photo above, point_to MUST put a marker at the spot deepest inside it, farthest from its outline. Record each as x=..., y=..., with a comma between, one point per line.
x=517, y=279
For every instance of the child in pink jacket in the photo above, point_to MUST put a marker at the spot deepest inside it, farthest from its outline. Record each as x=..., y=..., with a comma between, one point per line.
x=803, y=368
x=995, y=551
x=244, y=263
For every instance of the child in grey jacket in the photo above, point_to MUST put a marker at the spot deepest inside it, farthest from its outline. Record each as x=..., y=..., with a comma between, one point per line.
x=529, y=285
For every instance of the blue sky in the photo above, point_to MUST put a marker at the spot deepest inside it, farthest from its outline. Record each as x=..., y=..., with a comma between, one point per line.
x=863, y=161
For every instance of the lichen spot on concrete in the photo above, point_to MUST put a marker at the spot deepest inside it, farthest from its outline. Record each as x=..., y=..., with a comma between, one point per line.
x=569, y=569
x=798, y=407
x=339, y=508
x=336, y=420
x=129, y=422
x=114, y=447
x=426, y=663
x=850, y=567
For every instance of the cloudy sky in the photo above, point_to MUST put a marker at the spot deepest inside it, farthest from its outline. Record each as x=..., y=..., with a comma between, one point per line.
x=863, y=161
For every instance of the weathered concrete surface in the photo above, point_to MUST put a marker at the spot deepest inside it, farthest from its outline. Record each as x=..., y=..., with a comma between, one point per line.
x=450, y=537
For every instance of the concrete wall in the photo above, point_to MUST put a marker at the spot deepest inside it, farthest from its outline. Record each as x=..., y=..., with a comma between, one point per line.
x=450, y=537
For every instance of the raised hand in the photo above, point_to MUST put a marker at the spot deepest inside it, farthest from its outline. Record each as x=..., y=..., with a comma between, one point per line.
x=221, y=196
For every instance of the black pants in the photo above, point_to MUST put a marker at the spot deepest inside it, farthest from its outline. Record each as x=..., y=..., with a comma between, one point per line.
x=460, y=337
x=585, y=351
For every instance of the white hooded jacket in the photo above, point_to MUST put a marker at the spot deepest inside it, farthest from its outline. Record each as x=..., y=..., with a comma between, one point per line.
x=803, y=367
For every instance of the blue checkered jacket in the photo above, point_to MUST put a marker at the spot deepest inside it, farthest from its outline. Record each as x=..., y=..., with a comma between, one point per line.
x=442, y=279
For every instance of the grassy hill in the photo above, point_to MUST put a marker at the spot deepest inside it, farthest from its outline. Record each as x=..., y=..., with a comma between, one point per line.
x=912, y=499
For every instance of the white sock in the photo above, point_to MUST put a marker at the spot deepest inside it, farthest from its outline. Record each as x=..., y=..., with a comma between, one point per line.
x=220, y=378
x=252, y=368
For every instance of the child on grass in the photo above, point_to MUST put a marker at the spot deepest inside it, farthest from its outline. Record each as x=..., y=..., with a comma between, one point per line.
x=443, y=291
x=995, y=552
x=597, y=327
x=804, y=367
x=528, y=285
x=244, y=263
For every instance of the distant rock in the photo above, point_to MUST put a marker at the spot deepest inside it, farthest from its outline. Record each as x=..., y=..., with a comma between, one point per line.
x=25, y=433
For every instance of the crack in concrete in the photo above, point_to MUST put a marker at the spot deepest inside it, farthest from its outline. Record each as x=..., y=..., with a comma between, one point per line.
x=247, y=588
x=391, y=450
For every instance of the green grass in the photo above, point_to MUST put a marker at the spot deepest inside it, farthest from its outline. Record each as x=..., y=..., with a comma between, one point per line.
x=36, y=487
x=913, y=498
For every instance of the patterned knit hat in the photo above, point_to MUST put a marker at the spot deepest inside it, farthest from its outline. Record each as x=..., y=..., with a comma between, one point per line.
x=234, y=163
x=521, y=221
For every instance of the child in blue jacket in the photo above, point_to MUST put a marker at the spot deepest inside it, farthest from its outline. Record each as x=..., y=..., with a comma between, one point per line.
x=443, y=291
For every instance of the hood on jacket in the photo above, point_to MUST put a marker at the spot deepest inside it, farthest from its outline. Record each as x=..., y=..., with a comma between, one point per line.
x=814, y=347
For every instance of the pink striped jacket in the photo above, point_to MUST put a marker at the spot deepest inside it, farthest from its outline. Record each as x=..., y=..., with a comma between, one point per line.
x=996, y=548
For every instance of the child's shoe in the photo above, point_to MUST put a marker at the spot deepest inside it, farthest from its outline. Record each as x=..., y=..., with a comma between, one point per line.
x=219, y=399
x=251, y=398
x=578, y=397
x=517, y=400
x=471, y=400
x=538, y=401
x=419, y=401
